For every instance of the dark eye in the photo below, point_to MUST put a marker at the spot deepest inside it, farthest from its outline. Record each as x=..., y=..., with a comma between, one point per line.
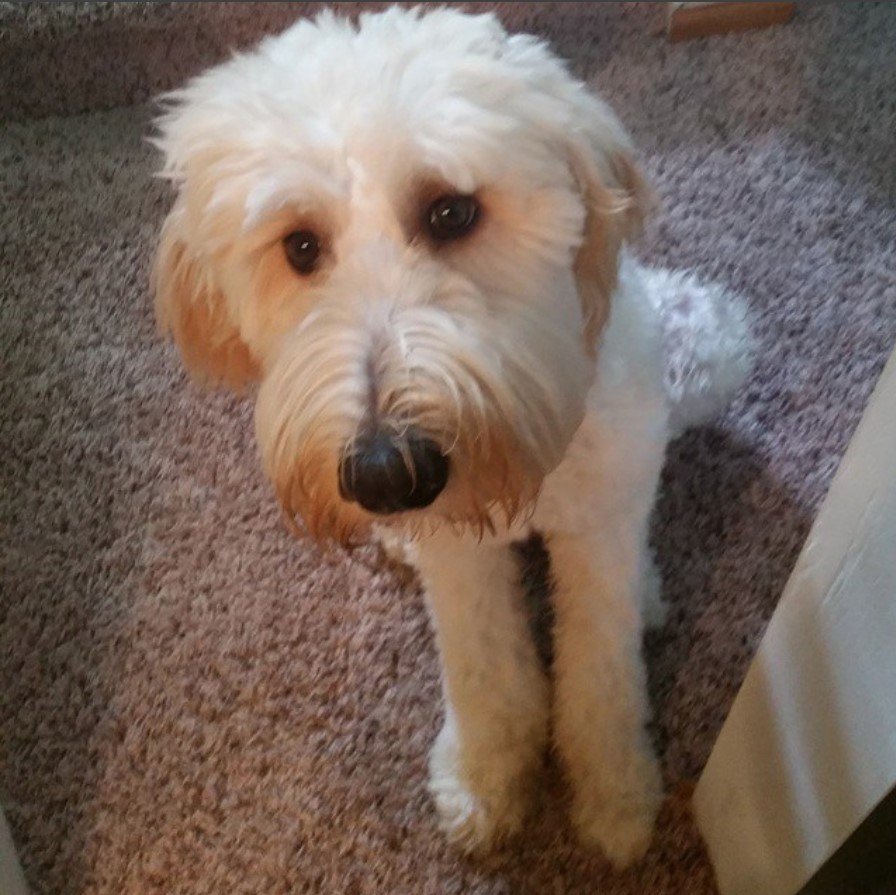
x=450, y=217
x=302, y=250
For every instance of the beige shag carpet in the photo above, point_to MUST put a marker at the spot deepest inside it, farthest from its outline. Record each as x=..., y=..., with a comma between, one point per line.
x=193, y=702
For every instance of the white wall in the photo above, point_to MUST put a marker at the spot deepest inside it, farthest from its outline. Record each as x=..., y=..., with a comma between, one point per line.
x=809, y=747
x=11, y=880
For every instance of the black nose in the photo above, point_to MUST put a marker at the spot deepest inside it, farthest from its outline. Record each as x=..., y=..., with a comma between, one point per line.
x=386, y=474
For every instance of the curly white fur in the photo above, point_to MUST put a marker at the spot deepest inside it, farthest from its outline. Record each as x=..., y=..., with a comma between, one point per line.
x=547, y=365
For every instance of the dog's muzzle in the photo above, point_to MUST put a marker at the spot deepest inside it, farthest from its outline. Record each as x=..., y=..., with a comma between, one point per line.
x=386, y=474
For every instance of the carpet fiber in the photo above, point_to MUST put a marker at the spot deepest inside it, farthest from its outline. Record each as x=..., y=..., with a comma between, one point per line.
x=193, y=702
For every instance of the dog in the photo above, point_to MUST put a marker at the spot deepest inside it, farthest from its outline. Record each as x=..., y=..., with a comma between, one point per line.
x=410, y=235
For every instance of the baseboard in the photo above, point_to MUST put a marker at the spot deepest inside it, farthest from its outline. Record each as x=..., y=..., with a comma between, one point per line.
x=690, y=20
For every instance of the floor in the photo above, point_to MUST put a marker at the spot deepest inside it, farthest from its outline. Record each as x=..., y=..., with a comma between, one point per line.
x=192, y=701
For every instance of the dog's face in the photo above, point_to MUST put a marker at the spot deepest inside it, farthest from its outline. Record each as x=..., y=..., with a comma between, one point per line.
x=407, y=230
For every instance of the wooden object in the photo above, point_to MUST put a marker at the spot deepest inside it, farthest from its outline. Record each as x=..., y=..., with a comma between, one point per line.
x=689, y=20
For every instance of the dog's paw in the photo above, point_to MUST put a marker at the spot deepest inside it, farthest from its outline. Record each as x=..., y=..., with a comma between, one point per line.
x=620, y=823
x=482, y=806
x=622, y=833
x=474, y=821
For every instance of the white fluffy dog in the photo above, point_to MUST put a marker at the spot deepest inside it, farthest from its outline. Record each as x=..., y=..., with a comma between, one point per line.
x=410, y=231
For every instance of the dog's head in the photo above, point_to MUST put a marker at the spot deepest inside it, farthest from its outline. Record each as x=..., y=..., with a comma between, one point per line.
x=407, y=230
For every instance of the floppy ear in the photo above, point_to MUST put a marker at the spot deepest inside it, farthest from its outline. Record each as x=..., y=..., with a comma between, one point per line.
x=191, y=308
x=616, y=201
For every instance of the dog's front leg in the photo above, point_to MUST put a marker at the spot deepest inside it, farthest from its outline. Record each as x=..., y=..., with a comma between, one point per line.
x=496, y=695
x=600, y=700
